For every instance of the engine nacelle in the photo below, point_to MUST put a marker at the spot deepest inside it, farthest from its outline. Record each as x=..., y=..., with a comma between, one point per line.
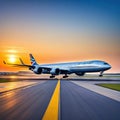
x=80, y=74
x=55, y=71
x=37, y=70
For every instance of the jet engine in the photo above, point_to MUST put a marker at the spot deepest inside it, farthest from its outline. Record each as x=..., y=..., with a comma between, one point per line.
x=55, y=71
x=37, y=70
x=80, y=73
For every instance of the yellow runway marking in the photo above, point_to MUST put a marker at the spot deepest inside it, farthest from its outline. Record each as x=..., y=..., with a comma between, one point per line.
x=52, y=111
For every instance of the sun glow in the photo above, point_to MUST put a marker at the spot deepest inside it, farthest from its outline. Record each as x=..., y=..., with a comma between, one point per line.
x=12, y=58
x=12, y=51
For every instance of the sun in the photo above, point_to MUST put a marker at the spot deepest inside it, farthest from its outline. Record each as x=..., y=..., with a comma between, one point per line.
x=12, y=58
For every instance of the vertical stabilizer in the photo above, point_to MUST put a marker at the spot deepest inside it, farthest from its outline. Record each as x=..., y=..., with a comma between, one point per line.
x=32, y=60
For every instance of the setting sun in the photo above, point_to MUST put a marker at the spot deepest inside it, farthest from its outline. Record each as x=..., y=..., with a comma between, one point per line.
x=12, y=58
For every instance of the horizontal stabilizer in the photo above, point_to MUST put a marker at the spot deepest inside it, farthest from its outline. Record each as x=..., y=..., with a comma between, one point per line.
x=4, y=62
x=21, y=61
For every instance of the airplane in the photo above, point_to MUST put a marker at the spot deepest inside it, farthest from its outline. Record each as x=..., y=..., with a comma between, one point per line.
x=79, y=68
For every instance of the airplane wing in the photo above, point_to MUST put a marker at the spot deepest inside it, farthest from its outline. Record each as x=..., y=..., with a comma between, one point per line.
x=62, y=71
x=20, y=65
x=25, y=65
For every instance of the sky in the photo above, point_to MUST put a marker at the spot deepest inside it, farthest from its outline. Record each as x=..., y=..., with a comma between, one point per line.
x=59, y=31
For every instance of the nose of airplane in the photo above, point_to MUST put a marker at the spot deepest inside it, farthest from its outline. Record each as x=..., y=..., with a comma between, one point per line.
x=108, y=66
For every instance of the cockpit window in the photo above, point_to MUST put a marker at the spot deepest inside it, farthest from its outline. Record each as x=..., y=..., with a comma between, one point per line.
x=105, y=63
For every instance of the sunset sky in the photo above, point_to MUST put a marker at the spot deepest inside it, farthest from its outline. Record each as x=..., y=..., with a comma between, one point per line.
x=59, y=31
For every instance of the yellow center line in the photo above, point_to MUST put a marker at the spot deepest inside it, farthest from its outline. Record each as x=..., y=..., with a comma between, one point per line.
x=52, y=111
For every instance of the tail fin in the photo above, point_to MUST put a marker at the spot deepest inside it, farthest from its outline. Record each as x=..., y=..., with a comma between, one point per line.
x=32, y=59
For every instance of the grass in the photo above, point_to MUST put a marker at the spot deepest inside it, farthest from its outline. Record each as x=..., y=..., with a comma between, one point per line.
x=5, y=80
x=111, y=86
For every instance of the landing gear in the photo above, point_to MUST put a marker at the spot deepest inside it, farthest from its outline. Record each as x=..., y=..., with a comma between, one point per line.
x=52, y=76
x=65, y=76
x=101, y=74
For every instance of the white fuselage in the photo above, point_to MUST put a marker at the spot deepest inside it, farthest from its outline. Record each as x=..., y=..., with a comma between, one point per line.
x=79, y=67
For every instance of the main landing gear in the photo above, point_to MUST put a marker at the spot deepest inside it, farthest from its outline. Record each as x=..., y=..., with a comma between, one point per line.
x=52, y=76
x=101, y=74
x=65, y=76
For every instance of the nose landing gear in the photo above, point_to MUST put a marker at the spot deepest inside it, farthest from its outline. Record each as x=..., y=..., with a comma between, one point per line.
x=101, y=74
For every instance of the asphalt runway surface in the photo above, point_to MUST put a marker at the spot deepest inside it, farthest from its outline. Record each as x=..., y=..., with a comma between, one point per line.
x=76, y=103
x=26, y=104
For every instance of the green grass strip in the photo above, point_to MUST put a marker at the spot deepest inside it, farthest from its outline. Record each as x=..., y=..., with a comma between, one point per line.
x=111, y=86
x=4, y=80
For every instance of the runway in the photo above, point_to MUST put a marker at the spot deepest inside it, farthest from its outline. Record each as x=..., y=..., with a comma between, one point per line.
x=26, y=104
x=75, y=103
x=78, y=103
